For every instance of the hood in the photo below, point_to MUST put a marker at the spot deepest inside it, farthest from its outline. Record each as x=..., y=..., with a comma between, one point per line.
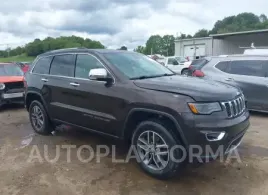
x=10, y=79
x=197, y=88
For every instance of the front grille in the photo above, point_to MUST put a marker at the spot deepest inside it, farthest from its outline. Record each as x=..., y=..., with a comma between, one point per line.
x=235, y=107
x=13, y=86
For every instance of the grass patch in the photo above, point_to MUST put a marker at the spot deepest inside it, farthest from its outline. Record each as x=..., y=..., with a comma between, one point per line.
x=20, y=58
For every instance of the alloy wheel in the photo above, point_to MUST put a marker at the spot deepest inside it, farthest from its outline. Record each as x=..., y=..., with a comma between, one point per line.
x=37, y=118
x=153, y=150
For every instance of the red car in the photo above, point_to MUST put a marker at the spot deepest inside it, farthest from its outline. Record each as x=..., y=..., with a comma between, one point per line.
x=11, y=84
x=24, y=66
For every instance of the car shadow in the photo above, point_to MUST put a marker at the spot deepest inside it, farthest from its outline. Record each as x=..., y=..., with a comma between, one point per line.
x=7, y=107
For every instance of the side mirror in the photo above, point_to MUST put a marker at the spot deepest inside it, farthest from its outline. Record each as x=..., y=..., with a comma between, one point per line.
x=99, y=74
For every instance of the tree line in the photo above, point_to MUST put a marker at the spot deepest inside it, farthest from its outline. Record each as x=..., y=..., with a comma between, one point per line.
x=164, y=45
x=156, y=44
x=40, y=46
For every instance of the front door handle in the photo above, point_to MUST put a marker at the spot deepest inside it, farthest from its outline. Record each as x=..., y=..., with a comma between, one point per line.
x=75, y=84
x=44, y=80
x=229, y=79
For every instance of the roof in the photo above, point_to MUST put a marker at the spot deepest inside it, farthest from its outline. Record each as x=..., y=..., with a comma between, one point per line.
x=191, y=39
x=81, y=50
x=239, y=33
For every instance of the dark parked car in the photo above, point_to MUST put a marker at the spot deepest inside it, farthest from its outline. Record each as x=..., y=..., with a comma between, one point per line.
x=129, y=96
x=249, y=73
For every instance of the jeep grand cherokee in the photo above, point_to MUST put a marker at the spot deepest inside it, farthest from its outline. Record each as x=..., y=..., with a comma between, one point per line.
x=129, y=96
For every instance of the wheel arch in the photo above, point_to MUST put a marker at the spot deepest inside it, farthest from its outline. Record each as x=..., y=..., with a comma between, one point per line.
x=31, y=96
x=150, y=113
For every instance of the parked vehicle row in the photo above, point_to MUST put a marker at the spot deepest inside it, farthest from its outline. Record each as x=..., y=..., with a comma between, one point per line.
x=247, y=72
x=131, y=97
x=25, y=66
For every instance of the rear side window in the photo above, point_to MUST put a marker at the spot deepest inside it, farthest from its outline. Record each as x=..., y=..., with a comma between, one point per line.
x=198, y=64
x=42, y=65
x=63, y=65
x=222, y=65
x=247, y=67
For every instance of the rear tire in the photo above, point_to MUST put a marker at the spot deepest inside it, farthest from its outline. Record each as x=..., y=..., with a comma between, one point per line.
x=39, y=118
x=159, y=166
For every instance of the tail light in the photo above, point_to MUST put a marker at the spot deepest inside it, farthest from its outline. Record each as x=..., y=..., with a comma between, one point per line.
x=198, y=73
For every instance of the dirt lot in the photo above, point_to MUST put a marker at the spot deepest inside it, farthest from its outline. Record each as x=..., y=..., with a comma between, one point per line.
x=19, y=175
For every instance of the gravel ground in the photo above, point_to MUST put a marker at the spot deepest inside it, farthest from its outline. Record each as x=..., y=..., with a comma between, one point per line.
x=22, y=175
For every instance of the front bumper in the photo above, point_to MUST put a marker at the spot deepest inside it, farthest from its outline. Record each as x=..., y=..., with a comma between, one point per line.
x=205, y=138
x=9, y=98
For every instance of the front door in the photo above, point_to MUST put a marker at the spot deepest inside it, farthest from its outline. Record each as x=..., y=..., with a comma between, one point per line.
x=96, y=105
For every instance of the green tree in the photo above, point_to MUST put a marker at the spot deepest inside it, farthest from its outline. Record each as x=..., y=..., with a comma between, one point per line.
x=168, y=42
x=154, y=45
x=201, y=33
x=140, y=49
x=123, y=48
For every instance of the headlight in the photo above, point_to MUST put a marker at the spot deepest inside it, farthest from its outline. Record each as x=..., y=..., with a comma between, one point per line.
x=204, y=108
x=2, y=86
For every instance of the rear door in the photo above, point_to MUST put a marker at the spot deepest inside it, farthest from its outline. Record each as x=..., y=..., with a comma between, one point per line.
x=59, y=90
x=250, y=77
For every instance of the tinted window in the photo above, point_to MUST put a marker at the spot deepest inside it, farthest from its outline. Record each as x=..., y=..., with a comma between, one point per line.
x=84, y=64
x=201, y=62
x=135, y=65
x=171, y=60
x=63, y=65
x=42, y=65
x=10, y=70
x=265, y=66
x=222, y=65
x=247, y=67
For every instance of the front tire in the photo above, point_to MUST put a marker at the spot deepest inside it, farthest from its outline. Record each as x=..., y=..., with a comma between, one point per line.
x=184, y=72
x=39, y=118
x=154, y=142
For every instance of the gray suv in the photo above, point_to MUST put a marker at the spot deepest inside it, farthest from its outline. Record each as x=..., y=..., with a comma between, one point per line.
x=249, y=73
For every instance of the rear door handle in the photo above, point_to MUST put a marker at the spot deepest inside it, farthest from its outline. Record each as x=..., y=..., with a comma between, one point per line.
x=44, y=80
x=75, y=84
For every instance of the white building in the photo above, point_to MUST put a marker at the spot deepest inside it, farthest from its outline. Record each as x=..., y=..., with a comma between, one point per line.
x=221, y=44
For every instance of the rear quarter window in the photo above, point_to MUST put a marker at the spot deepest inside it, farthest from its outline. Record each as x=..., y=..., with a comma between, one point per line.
x=247, y=68
x=222, y=65
x=42, y=65
x=199, y=63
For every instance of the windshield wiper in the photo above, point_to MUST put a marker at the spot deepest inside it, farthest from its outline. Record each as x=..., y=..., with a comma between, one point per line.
x=152, y=76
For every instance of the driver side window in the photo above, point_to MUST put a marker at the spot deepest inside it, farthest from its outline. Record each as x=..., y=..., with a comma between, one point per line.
x=84, y=63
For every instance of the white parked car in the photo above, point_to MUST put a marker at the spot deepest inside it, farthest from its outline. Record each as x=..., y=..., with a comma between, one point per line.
x=177, y=64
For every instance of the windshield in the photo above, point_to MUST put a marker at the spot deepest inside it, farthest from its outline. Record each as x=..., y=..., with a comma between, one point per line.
x=10, y=70
x=135, y=65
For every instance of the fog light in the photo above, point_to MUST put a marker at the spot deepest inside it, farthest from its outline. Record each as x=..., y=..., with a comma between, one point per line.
x=214, y=136
x=2, y=86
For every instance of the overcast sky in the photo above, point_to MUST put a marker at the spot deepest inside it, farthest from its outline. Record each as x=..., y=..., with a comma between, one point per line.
x=114, y=22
